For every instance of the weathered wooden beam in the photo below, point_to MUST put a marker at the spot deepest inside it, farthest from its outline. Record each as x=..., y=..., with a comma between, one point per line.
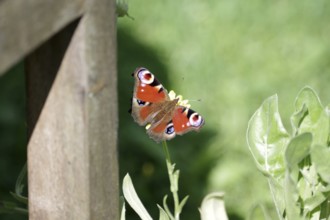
x=24, y=25
x=41, y=68
x=72, y=152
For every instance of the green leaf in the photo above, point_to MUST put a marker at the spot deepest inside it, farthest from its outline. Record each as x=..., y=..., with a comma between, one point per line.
x=10, y=207
x=312, y=202
x=277, y=191
x=310, y=116
x=298, y=117
x=292, y=208
x=183, y=202
x=19, y=198
x=19, y=186
x=166, y=207
x=321, y=158
x=213, y=207
x=297, y=149
x=123, y=212
x=133, y=199
x=325, y=209
x=267, y=138
x=257, y=211
x=162, y=214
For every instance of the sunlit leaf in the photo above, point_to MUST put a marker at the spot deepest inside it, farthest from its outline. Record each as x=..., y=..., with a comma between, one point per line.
x=277, y=191
x=292, y=207
x=257, y=211
x=133, y=199
x=267, y=138
x=297, y=149
x=300, y=193
x=162, y=214
x=310, y=116
x=303, y=186
x=321, y=158
x=123, y=212
x=314, y=201
x=213, y=207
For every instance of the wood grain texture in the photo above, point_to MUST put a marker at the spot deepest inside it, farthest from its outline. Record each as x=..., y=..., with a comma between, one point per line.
x=72, y=152
x=41, y=67
x=24, y=25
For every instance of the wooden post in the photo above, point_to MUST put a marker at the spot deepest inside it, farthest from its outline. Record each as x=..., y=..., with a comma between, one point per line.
x=72, y=154
x=24, y=25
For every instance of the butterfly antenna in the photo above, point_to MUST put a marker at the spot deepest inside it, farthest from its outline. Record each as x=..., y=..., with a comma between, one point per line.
x=195, y=100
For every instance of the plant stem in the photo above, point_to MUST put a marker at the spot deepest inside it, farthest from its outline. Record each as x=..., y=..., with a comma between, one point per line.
x=166, y=152
x=173, y=177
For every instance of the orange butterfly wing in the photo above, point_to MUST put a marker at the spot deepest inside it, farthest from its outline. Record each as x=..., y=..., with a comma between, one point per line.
x=151, y=104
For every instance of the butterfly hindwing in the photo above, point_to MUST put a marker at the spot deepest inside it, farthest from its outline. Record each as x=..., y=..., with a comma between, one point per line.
x=182, y=121
x=163, y=130
x=185, y=120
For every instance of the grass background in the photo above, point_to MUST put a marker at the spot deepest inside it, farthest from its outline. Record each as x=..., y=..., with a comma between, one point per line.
x=231, y=54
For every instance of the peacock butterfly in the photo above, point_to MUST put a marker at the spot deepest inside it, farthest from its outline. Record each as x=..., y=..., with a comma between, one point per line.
x=151, y=104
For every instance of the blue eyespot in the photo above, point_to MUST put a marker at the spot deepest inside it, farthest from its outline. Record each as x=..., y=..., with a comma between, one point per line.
x=140, y=102
x=169, y=129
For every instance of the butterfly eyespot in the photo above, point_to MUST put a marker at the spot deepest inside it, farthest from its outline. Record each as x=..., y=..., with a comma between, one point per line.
x=145, y=76
x=195, y=120
x=169, y=129
x=141, y=103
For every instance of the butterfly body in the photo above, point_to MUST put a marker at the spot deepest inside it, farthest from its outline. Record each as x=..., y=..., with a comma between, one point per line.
x=152, y=105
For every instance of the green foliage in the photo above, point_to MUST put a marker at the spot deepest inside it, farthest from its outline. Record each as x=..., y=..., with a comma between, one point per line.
x=212, y=208
x=297, y=166
x=13, y=140
x=164, y=213
x=231, y=54
x=13, y=207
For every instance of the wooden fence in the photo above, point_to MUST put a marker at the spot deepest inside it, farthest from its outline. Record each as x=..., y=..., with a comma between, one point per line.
x=69, y=50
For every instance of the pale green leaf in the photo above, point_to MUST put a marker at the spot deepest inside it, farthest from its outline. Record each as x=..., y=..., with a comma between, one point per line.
x=321, y=158
x=298, y=117
x=310, y=175
x=267, y=138
x=316, y=216
x=310, y=116
x=259, y=211
x=277, y=192
x=297, y=149
x=213, y=207
x=133, y=199
x=292, y=207
x=169, y=213
x=183, y=202
x=314, y=201
x=123, y=212
x=162, y=214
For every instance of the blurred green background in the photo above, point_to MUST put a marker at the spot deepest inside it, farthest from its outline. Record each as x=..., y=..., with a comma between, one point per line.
x=231, y=54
